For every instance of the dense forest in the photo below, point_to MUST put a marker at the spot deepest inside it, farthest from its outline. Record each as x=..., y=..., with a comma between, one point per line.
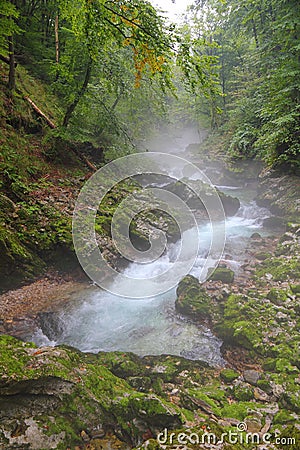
x=195, y=346
x=113, y=64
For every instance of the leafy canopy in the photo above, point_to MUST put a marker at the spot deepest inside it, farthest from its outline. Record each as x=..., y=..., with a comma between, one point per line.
x=8, y=26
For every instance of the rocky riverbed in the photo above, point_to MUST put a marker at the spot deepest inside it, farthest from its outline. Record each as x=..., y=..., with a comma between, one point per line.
x=58, y=397
x=61, y=398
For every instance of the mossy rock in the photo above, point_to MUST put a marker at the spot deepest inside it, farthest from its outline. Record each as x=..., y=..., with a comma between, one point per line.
x=277, y=296
x=198, y=194
x=290, y=400
x=283, y=417
x=17, y=262
x=289, y=438
x=262, y=256
x=256, y=236
x=265, y=386
x=141, y=384
x=64, y=391
x=285, y=365
x=229, y=375
x=239, y=410
x=236, y=325
x=222, y=274
x=295, y=288
x=243, y=393
x=280, y=268
x=274, y=222
x=168, y=367
x=192, y=298
x=122, y=364
x=230, y=204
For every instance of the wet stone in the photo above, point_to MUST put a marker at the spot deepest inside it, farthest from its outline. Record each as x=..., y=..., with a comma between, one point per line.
x=251, y=376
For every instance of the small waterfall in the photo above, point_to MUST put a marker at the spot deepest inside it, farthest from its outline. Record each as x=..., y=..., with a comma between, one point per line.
x=97, y=320
x=250, y=216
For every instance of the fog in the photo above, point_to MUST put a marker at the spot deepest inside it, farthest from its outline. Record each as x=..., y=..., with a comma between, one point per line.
x=175, y=139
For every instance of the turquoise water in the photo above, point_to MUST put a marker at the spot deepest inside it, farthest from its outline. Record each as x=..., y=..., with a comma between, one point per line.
x=97, y=320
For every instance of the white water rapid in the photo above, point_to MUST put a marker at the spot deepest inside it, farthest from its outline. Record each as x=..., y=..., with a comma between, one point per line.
x=97, y=320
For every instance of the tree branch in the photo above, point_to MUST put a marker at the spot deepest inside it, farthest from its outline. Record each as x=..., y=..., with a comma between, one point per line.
x=40, y=113
x=79, y=94
x=132, y=22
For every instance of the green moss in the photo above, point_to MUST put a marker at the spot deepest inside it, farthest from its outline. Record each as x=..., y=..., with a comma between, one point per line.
x=239, y=410
x=280, y=268
x=246, y=335
x=277, y=296
x=192, y=298
x=289, y=438
x=122, y=364
x=243, y=393
x=188, y=415
x=205, y=395
x=57, y=425
x=290, y=398
x=222, y=274
x=229, y=375
x=11, y=248
x=92, y=394
x=236, y=326
x=284, y=365
x=265, y=386
x=295, y=288
x=14, y=359
x=283, y=417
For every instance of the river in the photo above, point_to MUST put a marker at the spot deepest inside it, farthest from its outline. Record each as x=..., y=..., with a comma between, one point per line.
x=96, y=320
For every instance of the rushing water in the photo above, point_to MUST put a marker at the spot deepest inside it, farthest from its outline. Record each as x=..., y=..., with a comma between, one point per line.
x=97, y=320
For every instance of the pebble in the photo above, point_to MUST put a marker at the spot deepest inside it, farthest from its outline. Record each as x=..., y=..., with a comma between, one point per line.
x=253, y=425
x=260, y=395
x=85, y=437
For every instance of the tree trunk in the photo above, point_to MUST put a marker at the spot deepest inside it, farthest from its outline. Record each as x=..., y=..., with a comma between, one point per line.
x=72, y=106
x=56, y=40
x=40, y=113
x=56, y=46
x=12, y=70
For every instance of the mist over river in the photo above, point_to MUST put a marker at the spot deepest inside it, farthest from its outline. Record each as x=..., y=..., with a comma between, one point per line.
x=96, y=320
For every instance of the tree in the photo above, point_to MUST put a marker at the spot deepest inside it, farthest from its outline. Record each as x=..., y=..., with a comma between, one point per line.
x=107, y=60
x=259, y=53
x=101, y=25
x=8, y=28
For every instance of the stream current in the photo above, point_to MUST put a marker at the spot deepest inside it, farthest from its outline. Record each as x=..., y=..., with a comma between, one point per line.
x=96, y=320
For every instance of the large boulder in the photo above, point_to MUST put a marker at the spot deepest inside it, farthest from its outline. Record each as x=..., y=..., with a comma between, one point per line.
x=198, y=195
x=192, y=298
x=230, y=204
x=58, y=397
x=223, y=274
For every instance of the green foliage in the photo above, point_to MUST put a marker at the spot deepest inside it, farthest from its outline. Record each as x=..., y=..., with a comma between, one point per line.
x=114, y=66
x=257, y=46
x=8, y=26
